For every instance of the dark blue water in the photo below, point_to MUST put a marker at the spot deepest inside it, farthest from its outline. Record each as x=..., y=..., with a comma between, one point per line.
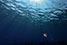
x=20, y=24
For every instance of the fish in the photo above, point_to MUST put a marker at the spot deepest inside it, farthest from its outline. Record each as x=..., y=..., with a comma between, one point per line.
x=45, y=35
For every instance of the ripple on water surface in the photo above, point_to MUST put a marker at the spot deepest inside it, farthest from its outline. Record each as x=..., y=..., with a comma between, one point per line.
x=46, y=11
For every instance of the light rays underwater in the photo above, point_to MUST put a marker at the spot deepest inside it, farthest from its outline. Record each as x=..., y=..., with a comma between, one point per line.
x=46, y=11
x=33, y=20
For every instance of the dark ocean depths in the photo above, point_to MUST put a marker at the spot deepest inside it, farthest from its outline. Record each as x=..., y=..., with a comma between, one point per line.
x=22, y=23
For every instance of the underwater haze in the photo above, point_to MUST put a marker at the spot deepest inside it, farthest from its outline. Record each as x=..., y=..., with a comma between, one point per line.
x=25, y=21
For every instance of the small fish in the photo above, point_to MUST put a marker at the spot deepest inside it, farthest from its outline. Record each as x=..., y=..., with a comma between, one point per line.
x=45, y=35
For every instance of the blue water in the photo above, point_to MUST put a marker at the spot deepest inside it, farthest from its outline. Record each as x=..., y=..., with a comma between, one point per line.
x=20, y=21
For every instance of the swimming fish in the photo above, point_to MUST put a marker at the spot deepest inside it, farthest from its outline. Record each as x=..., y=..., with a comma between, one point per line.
x=45, y=35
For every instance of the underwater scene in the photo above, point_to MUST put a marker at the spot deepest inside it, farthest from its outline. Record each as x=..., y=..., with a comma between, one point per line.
x=33, y=22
